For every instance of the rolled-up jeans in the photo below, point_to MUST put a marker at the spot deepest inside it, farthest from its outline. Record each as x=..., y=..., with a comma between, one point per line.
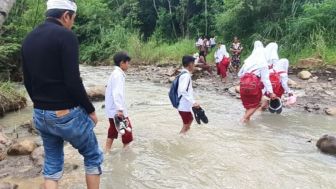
x=76, y=127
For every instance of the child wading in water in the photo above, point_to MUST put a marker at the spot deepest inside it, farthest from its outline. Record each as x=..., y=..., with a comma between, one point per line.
x=185, y=92
x=254, y=76
x=115, y=105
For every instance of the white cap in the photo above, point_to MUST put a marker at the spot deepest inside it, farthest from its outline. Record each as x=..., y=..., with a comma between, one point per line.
x=62, y=4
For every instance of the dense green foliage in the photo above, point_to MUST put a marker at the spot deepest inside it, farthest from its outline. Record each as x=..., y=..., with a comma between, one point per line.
x=161, y=31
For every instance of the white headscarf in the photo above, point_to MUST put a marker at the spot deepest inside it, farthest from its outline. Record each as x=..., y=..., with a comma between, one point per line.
x=281, y=65
x=272, y=53
x=62, y=4
x=257, y=58
x=221, y=53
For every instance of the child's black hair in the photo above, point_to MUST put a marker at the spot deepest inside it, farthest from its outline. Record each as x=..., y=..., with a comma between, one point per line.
x=186, y=60
x=121, y=57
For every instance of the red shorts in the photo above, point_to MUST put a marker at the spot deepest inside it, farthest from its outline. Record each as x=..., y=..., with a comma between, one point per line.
x=187, y=117
x=113, y=133
x=251, y=101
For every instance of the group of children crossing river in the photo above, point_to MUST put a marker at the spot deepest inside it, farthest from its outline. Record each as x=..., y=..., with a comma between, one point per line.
x=263, y=82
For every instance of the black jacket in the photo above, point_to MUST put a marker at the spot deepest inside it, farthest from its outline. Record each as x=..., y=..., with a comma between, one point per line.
x=50, y=55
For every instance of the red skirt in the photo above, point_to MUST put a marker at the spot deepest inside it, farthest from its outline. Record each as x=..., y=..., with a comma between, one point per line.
x=223, y=66
x=251, y=101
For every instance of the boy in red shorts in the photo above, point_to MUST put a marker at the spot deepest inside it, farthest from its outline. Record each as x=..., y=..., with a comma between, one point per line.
x=115, y=100
x=185, y=92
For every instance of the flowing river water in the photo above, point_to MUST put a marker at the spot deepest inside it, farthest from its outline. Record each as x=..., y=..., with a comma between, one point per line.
x=273, y=151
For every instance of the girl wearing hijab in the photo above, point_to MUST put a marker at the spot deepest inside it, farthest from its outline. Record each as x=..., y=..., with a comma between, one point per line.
x=218, y=57
x=254, y=76
x=222, y=58
x=278, y=70
x=281, y=68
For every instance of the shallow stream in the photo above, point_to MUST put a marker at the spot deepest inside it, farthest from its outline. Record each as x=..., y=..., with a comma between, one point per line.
x=273, y=151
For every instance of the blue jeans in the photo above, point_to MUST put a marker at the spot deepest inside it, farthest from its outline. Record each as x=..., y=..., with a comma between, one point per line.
x=77, y=128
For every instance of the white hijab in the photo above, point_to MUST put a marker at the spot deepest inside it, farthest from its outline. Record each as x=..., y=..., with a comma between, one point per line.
x=281, y=65
x=256, y=60
x=272, y=53
x=221, y=53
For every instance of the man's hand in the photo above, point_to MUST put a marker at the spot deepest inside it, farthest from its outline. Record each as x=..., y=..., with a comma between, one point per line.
x=94, y=118
x=273, y=96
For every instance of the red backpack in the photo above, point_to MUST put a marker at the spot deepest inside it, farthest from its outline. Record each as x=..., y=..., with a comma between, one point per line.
x=276, y=83
x=250, y=84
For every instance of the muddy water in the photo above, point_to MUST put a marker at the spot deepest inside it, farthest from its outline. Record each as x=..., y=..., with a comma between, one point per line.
x=271, y=152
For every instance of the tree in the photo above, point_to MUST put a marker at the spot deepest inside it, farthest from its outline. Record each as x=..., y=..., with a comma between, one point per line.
x=5, y=7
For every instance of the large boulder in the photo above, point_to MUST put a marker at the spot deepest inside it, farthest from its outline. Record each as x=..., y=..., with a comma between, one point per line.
x=6, y=185
x=327, y=144
x=25, y=147
x=309, y=63
x=305, y=75
x=330, y=111
x=96, y=93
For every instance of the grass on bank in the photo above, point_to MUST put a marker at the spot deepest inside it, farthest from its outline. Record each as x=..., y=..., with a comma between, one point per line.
x=10, y=98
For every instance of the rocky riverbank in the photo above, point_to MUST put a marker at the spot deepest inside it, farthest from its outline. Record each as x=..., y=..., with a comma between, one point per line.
x=22, y=157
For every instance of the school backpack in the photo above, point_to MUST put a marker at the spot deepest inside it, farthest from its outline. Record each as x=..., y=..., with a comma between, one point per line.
x=250, y=84
x=173, y=92
x=276, y=83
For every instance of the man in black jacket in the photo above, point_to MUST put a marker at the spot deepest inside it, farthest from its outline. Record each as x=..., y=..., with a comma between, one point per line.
x=62, y=110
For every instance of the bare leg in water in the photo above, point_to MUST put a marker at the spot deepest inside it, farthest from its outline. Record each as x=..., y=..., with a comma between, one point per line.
x=248, y=114
x=185, y=128
x=108, y=145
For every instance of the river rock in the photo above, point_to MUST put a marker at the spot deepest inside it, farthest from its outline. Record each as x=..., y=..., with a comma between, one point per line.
x=6, y=185
x=330, y=111
x=68, y=167
x=309, y=63
x=25, y=147
x=96, y=93
x=327, y=144
x=29, y=125
x=231, y=91
x=291, y=83
x=38, y=156
x=305, y=75
x=5, y=142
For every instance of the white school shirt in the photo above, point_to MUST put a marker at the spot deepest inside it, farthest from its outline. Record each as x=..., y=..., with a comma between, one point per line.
x=212, y=41
x=262, y=72
x=282, y=66
x=115, y=93
x=187, y=101
x=218, y=56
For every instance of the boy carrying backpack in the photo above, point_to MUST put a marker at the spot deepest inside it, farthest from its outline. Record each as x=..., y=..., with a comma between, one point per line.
x=181, y=93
